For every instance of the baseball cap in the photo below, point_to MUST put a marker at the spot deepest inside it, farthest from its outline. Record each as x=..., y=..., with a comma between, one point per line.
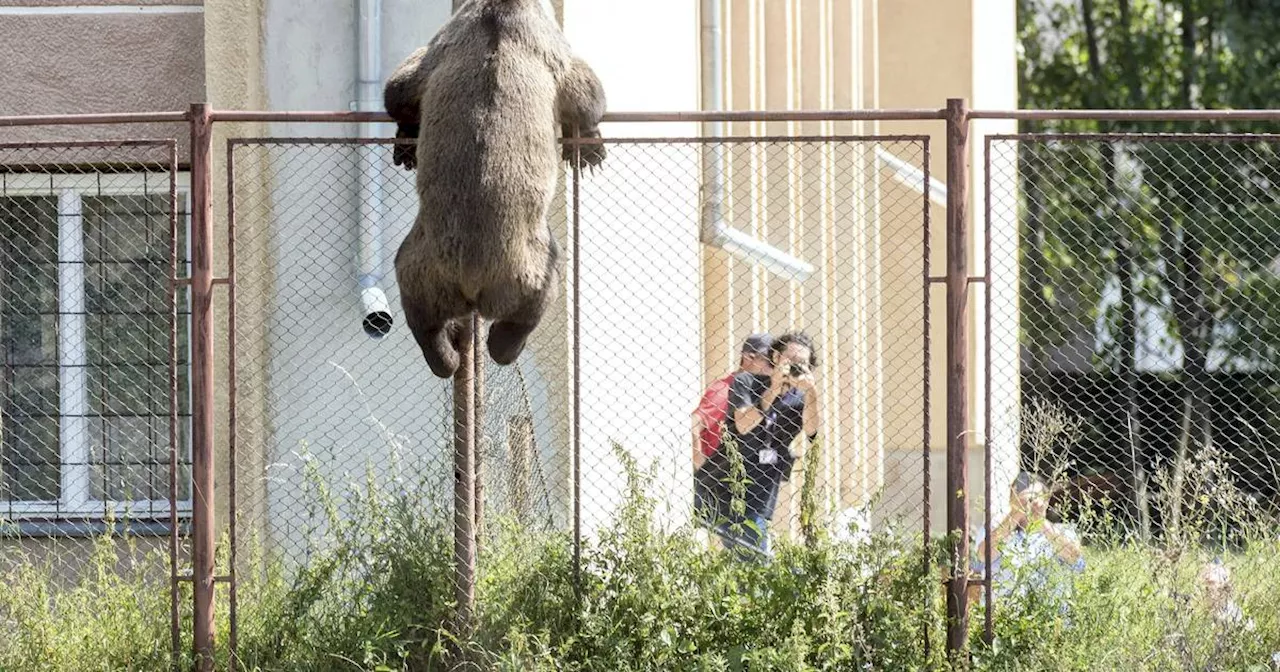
x=757, y=344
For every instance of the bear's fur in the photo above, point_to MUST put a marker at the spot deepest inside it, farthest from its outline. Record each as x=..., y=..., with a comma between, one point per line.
x=484, y=99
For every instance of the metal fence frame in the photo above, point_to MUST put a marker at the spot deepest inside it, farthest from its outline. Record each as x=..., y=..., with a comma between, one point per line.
x=201, y=120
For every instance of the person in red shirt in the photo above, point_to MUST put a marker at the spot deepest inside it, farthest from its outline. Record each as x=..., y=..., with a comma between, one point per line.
x=712, y=411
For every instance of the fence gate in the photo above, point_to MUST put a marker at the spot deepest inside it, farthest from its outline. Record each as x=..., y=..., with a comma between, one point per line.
x=93, y=370
x=325, y=391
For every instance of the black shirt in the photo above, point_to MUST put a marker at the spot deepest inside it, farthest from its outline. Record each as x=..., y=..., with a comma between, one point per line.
x=765, y=450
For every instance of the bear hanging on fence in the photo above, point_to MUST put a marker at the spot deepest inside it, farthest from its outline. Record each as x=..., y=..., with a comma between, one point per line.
x=484, y=99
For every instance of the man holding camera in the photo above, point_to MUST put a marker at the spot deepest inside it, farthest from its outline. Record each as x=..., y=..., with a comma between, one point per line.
x=769, y=411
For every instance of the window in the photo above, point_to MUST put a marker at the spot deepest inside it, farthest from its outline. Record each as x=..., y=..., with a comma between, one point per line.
x=84, y=347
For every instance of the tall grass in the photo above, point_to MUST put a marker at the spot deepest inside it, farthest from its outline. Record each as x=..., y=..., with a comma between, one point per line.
x=115, y=616
x=377, y=594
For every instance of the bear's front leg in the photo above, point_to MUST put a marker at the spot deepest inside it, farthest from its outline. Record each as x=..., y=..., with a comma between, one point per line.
x=593, y=154
x=405, y=153
x=582, y=103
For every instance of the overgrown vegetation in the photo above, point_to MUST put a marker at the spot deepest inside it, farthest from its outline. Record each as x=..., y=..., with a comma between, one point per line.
x=377, y=594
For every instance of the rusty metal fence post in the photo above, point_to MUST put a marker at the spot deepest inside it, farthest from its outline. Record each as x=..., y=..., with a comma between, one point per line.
x=202, y=384
x=464, y=481
x=957, y=373
x=477, y=419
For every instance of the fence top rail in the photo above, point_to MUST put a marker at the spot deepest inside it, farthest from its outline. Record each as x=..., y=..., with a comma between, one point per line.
x=382, y=117
x=620, y=117
x=906, y=114
x=89, y=144
x=95, y=119
x=1128, y=115
x=1136, y=138
x=643, y=140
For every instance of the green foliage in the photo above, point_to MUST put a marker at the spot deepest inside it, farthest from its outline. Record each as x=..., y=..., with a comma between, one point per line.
x=1196, y=221
x=1139, y=248
x=114, y=617
x=377, y=595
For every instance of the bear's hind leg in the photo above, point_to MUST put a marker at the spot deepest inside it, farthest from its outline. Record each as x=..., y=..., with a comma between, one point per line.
x=437, y=336
x=507, y=339
x=520, y=311
x=508, y=334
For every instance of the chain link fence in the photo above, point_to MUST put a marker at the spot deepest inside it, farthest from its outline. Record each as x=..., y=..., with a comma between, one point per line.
x=1123, y=322
x=1146, y=287
x=830, y=246
x=342, y=420
x=338, y=421
x=94, y=388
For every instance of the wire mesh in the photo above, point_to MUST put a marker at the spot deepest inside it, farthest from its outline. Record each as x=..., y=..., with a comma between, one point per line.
x=345, y=440
x=1130, y=337
x=93, y=383
x=664, y=318
x=1135, y=277
x=334, y=426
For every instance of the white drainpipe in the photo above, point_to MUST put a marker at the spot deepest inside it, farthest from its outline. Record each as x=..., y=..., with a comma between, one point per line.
x=715, y=231
x=376, y=319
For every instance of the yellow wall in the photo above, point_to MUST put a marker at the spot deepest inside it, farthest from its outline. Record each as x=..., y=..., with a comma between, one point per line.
x=838, y=209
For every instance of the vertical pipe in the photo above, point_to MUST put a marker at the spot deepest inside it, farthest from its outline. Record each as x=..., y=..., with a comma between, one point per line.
x=712, y=82
x=202, y=383
x=989, y=613
x=713, y=229
x=957, y=373
x=927, y=435
x=464, y=541
x=376, y=314
x=232, y=442
x=174, y=624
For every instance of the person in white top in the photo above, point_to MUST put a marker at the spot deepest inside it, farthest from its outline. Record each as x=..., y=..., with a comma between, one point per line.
x=1025, y=541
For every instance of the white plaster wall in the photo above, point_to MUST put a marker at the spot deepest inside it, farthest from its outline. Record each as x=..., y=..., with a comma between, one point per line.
x=641, y=283
x=995, y=87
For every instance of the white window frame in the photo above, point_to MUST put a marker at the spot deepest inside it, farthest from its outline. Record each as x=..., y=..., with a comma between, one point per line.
x=75, y=470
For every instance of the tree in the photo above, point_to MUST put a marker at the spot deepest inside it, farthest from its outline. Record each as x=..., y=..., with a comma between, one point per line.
x=1184, y=229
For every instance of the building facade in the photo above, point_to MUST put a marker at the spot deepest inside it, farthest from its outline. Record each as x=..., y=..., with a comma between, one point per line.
x=661, y=309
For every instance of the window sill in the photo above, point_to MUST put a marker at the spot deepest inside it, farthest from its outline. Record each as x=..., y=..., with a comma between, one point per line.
x=86, y=529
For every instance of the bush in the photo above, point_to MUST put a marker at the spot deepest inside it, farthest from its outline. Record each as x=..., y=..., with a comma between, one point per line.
x=378, y=594
x=381, y=594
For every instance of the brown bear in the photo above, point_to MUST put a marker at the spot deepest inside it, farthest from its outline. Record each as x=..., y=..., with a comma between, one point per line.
x=484, y=100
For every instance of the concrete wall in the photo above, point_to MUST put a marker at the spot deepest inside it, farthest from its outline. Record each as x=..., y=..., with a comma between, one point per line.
x=840, y=208
x=334, y=398
x=61, y=58
x=333, y=392
x=829, y=203
x=102, y=56
x=994, y=77
x=641, y=263
x=233, y=80
x=638, y=270
x=660, y=313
